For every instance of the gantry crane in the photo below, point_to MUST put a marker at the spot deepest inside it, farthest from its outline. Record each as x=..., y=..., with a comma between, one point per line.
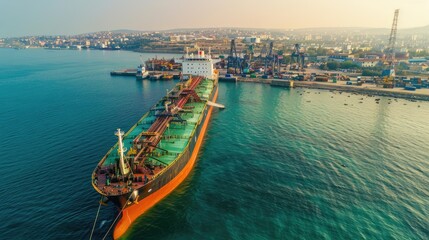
x=298, y=58
x=389, y=73
x=233, y=60
x=269, y=59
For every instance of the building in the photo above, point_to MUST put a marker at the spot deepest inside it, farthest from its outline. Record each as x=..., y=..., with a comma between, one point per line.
x=367, y=63
x=252, y=40
x=341, y=57
x=322, y=58
x=418, y=67
x=417, y=60
x=308, y=37
x=174, y=38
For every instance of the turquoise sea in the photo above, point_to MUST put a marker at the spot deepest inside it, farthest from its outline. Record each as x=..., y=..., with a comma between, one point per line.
x=276, y=163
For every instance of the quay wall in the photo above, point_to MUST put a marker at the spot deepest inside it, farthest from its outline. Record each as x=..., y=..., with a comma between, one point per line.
x=386, y=92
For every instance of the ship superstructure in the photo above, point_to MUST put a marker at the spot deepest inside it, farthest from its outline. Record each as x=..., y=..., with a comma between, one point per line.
x=199, y=64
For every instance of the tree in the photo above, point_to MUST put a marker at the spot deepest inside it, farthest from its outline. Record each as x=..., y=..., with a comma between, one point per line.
x=323, y=66
x=370, y=72
x=348, y=65
x=321, y=52
x=333, y=65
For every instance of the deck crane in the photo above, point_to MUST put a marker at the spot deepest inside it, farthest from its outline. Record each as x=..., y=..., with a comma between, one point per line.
x=389, y=73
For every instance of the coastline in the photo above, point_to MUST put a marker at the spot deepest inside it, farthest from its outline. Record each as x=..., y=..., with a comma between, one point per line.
x=365, y=89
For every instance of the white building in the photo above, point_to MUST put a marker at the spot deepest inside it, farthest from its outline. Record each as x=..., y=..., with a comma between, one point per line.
x=252, y=40
x=174, y=38
x=367, y=62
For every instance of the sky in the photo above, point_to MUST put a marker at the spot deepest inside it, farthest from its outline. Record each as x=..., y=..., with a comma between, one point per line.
x=59, y=17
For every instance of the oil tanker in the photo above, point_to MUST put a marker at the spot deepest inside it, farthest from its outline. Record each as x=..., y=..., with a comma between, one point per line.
x=159, y=151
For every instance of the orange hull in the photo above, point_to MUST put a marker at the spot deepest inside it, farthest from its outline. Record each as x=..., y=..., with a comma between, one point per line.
x=133, y=212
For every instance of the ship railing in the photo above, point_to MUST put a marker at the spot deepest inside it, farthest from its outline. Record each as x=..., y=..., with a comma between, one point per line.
x=167, y=137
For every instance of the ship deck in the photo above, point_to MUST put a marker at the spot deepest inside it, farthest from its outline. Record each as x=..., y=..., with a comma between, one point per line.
x=173, y=141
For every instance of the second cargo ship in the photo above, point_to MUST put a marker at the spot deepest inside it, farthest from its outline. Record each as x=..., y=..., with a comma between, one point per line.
x=158, y=152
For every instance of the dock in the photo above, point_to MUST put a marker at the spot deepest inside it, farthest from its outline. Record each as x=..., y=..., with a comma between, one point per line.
x=153, y=75
x=227, y=79
x=282, y=83
x=370, y=89
x=124, y=72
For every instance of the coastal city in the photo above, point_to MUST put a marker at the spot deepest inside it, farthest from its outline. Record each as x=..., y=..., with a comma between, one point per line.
x=235, y=120
x=366, y=48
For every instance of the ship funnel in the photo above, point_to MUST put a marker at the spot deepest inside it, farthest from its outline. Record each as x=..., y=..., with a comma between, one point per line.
x=121, y=150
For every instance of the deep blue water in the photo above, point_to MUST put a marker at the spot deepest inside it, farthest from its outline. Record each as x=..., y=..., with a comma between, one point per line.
x=276, y=163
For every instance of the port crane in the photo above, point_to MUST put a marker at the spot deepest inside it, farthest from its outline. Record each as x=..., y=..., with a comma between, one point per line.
x=278, y=59
x=298, y=58
x=247, y=59
x=233, y=59
x=250, y=52
x=269, y=59
x=389, y=73
x=263, y=51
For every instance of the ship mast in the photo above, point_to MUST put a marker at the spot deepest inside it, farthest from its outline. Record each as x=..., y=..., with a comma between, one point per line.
x=122, y=166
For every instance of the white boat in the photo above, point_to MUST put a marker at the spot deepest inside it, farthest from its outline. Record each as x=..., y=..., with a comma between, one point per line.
x=141, y=72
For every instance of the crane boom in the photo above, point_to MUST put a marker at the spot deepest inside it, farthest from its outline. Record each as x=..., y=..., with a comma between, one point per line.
x=389, y=74
x=392, y=38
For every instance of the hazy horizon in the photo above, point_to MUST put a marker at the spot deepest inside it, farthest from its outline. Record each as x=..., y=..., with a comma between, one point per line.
x=49, y=17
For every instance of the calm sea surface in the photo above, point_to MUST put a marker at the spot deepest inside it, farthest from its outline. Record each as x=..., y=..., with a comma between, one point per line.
x=276, y=163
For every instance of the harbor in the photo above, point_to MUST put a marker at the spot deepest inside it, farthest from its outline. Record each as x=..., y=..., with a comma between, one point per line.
x=364, y=89
x=151, y=75
x=331, y=151
x=346, y=86
x=130, y=72
x=234, y=120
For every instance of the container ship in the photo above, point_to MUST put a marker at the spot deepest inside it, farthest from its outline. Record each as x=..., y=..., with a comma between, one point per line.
x=159, y=151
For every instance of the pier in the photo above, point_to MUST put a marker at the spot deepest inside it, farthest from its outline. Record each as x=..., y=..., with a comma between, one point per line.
x=124, y=72
x=370, y=89
x=153, y=75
